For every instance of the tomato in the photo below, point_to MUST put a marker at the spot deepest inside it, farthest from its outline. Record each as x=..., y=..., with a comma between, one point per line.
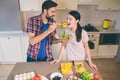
x=96, y=76
x=36, y=77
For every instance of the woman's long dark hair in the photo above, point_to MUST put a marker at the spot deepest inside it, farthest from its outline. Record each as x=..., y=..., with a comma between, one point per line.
x=78, y=32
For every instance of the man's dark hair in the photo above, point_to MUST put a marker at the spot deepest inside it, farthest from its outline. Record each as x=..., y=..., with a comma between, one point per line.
x=48, y=4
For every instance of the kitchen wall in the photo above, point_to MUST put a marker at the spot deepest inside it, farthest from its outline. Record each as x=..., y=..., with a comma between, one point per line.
x=117, y=17
x=89, y=15
x=25, y=15
x=9, y=16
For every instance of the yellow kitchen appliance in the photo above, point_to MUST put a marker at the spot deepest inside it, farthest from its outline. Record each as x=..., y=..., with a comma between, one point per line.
x=107, y=23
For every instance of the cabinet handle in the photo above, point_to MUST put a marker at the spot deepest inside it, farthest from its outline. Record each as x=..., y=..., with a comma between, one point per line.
x=108, y=45
x=93, y=40
x=109, y=9
x=66, y=8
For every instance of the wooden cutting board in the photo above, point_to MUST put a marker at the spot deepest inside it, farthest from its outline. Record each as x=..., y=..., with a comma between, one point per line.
x=79, y=67
x=66, y=68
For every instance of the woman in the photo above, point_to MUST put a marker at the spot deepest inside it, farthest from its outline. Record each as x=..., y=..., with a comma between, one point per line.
x=77, y=47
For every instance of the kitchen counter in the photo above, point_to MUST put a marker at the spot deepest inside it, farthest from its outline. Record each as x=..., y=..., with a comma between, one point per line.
x=101, y=30
x=109, y=30
x=12, y=33
x=43, y=68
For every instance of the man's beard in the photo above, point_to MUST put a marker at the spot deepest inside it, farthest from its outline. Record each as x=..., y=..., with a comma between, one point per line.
x=50, y=18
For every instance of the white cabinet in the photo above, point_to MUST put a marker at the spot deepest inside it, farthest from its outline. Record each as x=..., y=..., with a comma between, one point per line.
x=30, y=5
x=66, y=4
x=107, y=50
x=0, y=54
x=109, y=5
x=24, y=43
x=88, y=2
x=11, y=49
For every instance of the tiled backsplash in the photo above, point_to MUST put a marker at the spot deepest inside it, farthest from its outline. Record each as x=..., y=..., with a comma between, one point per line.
x=89, y=15
x=24, y=17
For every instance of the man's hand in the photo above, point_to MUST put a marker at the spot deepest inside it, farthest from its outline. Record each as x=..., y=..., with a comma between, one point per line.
x=52, y=27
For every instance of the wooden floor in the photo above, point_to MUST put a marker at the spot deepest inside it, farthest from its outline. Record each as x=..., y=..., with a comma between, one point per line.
x=109, y=68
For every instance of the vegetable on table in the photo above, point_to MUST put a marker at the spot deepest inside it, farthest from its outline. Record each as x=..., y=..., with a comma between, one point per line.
x=86, y=76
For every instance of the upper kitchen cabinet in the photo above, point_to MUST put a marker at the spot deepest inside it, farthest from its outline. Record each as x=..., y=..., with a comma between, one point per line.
x=118, y=4
x=30, y=5
x=67, y=4
x=88, y=2
x=109, y=5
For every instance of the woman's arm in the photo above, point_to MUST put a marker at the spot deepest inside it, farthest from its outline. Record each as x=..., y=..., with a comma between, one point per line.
x=87, y=49
x=60, y=54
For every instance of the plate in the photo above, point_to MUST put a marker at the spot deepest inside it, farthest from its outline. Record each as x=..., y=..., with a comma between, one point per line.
x=43, y=77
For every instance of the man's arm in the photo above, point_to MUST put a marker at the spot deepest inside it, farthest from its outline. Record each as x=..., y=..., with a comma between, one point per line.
x=35, y=39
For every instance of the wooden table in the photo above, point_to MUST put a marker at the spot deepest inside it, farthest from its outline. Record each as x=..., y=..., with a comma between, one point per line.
x=43, y=68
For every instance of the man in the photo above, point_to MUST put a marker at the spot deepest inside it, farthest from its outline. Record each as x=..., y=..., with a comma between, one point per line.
x=41, y=33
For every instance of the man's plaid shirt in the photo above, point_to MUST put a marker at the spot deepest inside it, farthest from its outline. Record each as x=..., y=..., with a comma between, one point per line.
x=34, y=26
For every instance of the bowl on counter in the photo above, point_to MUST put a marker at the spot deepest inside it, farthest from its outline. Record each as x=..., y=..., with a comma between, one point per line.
x=56, y=76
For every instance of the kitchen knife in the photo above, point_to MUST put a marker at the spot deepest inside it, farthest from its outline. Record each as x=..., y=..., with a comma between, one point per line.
x=73, y=67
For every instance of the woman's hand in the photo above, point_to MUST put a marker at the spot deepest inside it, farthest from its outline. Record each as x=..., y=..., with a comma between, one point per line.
x=55, y=61
x=93, y=65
